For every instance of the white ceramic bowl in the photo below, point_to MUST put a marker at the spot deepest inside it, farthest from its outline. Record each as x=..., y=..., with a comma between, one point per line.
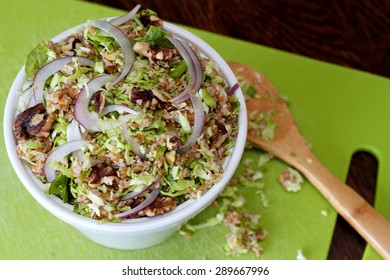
x=131, y=233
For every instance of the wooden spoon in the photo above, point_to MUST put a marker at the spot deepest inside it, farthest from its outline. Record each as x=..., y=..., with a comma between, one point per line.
x=288, y=145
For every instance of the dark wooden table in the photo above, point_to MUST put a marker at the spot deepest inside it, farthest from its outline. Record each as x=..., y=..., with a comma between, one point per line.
x=352, y=33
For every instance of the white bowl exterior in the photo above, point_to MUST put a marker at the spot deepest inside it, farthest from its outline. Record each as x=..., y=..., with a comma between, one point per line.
x=130, y=240
x=131, y=233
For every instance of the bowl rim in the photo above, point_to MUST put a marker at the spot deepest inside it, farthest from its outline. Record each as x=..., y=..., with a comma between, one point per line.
x=182, y=213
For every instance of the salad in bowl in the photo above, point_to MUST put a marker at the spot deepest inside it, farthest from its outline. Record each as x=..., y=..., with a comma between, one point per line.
x=124, y=118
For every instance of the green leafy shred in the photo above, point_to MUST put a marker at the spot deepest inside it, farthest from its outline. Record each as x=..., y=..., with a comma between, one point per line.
x=99, y=39
x=60, y=186
x=36, y=59
x=59, y=132
x=268, y=132
x=33, y=144
x=262, y=125
x=155, y=36
x=208, y=99
x=250, y=91
x=179, y=187
x=179, y=69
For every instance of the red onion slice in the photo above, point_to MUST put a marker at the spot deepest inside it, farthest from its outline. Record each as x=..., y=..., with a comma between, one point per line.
x=90, y=120
x=191, y=71
x=25, y=98
x=197, y=129
x=124, y=43
x=137, y=193
x=136, y=146
x=58, y=154
x=194, y=65
x=50, y=69
x=197, y=65
x=73, y=132
x=122, y=19
x=232, y=89
x=149, y=200
x=37, y=97
x=118, y=108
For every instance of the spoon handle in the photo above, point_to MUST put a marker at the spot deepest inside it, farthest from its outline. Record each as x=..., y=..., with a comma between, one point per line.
x=371, y=225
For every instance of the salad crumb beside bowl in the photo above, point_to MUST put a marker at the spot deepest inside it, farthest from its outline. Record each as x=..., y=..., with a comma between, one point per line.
x=125, y=128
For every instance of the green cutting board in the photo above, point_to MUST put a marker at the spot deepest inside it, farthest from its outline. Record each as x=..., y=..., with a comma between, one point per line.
x=339, y=111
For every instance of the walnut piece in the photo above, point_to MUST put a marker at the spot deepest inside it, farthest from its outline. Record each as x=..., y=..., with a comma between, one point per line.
x=220, y=134
x=174, y=143
x=148, y=20
x=33, y=121
x=146, y=99
x=161, y=205
x=98, y=101
x=170, y=157
x=99, y=172
x=154, y=53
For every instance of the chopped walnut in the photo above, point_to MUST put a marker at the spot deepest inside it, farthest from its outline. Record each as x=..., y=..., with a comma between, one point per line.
x=109, y=65
x=162, y=53
x=154, y=53
x=170, y=157
x=70, y=48
x=291, y=180
x=142, y=48
x=33, y=121
x=159, y=96
x=148, y=20
x=98, y=174
x=161, y=205
x=220, y=134
x=233, y=182
x=232, y=218
x=98, y=101
x=174, y=143
x=146, y=99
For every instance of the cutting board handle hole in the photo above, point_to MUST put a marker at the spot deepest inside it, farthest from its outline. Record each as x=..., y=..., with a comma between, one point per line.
x=362, y=176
